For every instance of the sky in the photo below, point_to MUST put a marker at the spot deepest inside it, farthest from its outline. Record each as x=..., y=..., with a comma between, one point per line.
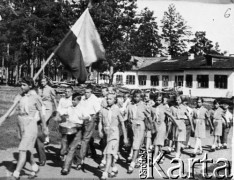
x=216, y=17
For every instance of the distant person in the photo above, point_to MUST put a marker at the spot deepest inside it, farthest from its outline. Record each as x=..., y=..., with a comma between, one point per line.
x=179, y=111
x=48, y=97
x=187, y=123
x=103, y=98
x=200, y=116
x=137, y=112
x=216, y=115
x=228, y=118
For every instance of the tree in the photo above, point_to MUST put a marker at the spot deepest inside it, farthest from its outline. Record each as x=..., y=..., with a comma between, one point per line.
x=33, y=28
x=146, y=40
x=202, y=45
x=175, y=31
x=115, y=19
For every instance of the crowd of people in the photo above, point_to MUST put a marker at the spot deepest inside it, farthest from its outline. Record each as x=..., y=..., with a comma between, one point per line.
x=130, y=121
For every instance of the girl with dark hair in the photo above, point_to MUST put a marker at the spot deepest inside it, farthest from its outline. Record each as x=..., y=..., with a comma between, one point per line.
x=137, y=112
x=179, y=111
x=216, y=115
x=200, y=115
x=29, y=104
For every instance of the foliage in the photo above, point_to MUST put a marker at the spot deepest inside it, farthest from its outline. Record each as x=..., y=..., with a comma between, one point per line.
x=145, y=40
x=202, y=45
x=114, y=20
x=175, y=31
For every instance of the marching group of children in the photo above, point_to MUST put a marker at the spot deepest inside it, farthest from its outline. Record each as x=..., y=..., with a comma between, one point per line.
x=136, y=120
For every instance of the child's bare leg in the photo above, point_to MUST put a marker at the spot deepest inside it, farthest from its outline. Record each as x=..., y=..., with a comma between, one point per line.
x=108, y=165
x=20, y=163
x=214, y=142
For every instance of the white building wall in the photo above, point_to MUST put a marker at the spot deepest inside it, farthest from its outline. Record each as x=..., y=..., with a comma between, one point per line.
x=195, y=91
x=148, y=80
x=211, y=91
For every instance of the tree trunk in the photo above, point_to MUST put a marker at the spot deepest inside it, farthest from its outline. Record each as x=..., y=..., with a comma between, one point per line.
x=32, y=68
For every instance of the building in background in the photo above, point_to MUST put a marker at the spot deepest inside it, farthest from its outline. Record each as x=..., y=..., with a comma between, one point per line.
x=205, y=76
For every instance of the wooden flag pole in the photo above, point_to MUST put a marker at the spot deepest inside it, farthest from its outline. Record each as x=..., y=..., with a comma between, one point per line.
x=5, y=116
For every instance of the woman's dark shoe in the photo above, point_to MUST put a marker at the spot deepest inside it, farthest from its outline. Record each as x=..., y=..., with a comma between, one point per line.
x=193, y=155
x=42, y=163
x=212, y=150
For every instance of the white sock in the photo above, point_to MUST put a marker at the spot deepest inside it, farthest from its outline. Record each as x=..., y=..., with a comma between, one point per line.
x=114, y=169
x=103, y=161
x=16, y=174
x=132, y=164
x=105, y=174
x=35, y=167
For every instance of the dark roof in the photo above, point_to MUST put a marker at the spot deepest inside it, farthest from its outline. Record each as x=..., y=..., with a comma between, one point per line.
x=211, y=62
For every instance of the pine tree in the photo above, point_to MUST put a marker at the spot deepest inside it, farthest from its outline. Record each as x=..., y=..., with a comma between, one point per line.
x=175, y=31
x=146, y=40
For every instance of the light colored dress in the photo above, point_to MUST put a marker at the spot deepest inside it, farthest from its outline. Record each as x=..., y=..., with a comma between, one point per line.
x=217, y=119
x=111, y=118
x=47, y=95
x=179, y=131
x=160, y=124
x=137, y=113
x=28, y=107
x=200, y=115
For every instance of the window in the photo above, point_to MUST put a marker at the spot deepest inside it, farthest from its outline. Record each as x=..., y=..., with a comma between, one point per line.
x=203, y=81
x=142, y=80
x=154, y=80
x=102, y=77
x=130, y=79
x=165, y=80
x=179, y=81
x=119, y=79
x=189, y=80
x=221, y=81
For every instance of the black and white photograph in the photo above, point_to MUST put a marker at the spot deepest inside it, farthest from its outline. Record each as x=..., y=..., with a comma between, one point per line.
x=116, y=89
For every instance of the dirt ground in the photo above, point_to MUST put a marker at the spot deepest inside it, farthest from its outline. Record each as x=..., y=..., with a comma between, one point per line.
x=53, y=166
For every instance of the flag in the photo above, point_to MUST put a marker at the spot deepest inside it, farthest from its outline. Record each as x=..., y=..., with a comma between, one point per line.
x=81, y=47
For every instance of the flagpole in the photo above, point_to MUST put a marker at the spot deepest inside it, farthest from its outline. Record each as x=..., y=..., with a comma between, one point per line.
x=51, y=55
x=5, y=116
